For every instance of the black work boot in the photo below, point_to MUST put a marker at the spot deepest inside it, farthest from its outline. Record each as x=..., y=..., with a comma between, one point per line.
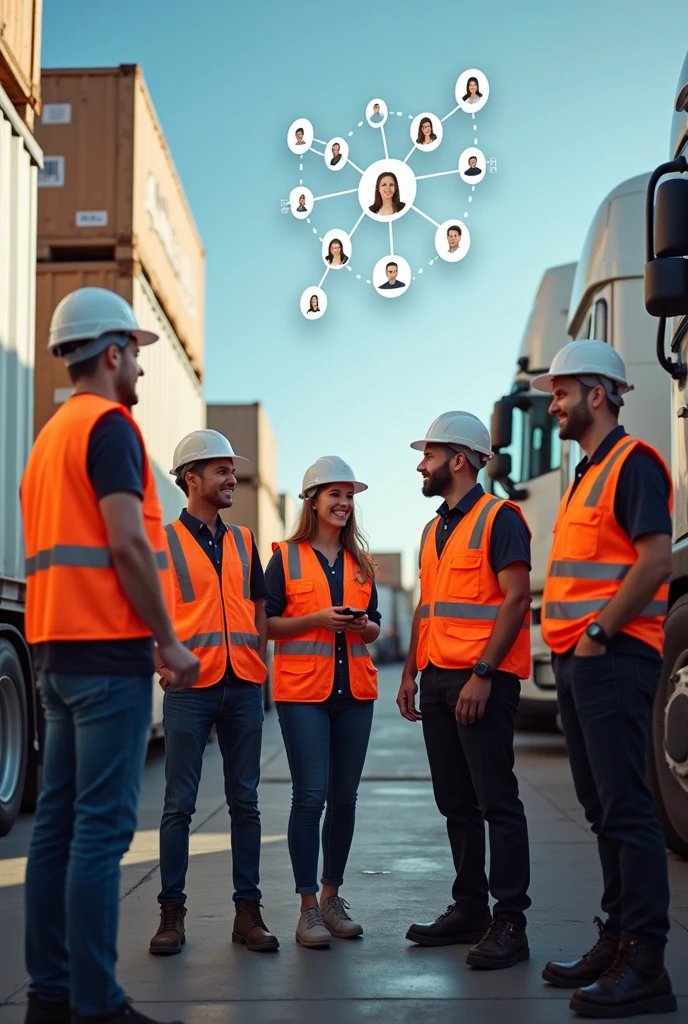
x=577, y=973
x=637, y=982
x=39, y=1011
x=504, y=945
x=124, y=1014
x=450, y=928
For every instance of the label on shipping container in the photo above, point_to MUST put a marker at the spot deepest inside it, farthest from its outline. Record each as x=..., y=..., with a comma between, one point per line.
x=91, y=218
x=61, y=395
x=56, y=113
x=53, y=173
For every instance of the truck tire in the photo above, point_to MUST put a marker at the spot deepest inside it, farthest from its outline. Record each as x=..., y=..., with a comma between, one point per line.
x=14, y=735
x=668, y=760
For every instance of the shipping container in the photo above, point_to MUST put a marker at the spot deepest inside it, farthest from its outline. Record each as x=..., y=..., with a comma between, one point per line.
x=110, y=191
x=20, y=55
x=171, y=402
x=257, y=502
x=20, y=158
x=388, y=568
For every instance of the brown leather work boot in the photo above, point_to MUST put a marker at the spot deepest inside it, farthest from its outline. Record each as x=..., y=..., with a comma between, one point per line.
x=249, y=928
x=170, y=936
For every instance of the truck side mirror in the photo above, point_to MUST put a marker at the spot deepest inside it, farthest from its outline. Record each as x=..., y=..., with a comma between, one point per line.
x=666, y=244
x=501, y=426
x=499, y=469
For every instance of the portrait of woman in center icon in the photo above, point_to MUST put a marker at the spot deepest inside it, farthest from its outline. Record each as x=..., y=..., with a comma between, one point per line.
x=387, y=200
x=336, y=249
x=473, y=94
x=426, y=131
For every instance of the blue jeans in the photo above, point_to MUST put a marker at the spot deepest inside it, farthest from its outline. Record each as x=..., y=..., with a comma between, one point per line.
x=326, y=750
x=236, y=711
x=95, y=745
x=605, y=704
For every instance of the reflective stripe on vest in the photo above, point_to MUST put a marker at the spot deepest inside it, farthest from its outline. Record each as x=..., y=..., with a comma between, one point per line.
x=73, y=590
x=304, y=667
x=591, y=556
x=461, y=597
x=213, y=618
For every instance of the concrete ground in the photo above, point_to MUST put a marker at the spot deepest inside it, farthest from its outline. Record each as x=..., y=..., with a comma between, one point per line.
x=399, y=872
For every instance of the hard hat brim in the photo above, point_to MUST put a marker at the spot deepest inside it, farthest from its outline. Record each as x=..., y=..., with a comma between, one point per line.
x=419, y=446
x=207, y=458
x=543, y=382
x=356, y=486
x=144, y=337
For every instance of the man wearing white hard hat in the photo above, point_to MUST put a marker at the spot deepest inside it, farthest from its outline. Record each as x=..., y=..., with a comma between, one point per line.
x=471, y=642
x=603, y=610
x=220, y=616
x=99, y=592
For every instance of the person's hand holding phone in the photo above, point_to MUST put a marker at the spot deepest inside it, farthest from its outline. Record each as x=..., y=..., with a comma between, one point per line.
x=359, y=623
x=335, y=619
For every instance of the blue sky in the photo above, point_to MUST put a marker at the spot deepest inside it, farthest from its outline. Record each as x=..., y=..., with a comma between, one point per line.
x=581, y=98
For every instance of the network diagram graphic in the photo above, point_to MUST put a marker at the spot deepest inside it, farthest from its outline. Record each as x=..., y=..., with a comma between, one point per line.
x=387, y=191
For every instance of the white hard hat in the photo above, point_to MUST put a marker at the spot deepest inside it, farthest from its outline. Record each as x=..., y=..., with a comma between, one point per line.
x=330, y=469
x=85, y=316
x=588, y=358
x=200, y=445
x=458, y=429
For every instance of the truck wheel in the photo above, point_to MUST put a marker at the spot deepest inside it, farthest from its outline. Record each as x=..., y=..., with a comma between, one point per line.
x=669, y=753
x=13, y=735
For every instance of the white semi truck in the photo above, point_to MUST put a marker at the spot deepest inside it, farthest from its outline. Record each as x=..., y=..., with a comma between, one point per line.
x=666, y=297
x=604, y=301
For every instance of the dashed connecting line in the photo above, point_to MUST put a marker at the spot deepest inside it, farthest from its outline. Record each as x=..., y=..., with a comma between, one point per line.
x=387, y=182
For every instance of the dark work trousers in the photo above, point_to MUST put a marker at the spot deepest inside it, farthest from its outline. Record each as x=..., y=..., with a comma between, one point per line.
x=472, y=769
x=605, y=704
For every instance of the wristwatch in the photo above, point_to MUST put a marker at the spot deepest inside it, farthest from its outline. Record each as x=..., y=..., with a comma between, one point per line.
x=483, y=670
x=597, y=633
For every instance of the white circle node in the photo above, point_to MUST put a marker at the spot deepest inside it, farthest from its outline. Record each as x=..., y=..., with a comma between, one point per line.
x=398, y=190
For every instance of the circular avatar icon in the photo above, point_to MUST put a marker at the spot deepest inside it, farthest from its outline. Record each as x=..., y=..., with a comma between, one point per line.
x=300, y=136
x=336, y=249
x=391, y=276
x=376, y=113
x=313, y=302
x=472, y=165
x=452, y=240
x=301, y=202
x=336, y=154
x=472, y=90
x=426, y=132
x=387, y=190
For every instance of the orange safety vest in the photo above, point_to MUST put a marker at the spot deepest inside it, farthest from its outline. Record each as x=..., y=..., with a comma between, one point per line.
x=460, y=595
x=72, y=590
x=591, y=555
x=303, y=667
x=212, y=616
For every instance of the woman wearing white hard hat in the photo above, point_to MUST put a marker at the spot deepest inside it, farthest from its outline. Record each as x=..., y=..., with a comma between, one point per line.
x=322, y=611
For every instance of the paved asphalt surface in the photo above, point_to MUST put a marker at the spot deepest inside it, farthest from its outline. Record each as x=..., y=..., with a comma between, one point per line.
x=399, y=872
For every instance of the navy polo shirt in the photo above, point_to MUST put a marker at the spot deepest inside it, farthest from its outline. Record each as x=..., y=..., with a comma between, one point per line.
x=276, y=602
x=510, y=540
x=641, y=506
x=114, y=463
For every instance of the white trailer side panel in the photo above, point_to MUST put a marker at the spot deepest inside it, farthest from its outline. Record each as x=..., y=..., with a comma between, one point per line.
x=19, y=156
x=171, y=402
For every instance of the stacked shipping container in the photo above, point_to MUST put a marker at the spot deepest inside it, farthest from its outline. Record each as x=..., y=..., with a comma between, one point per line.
x=112, y=213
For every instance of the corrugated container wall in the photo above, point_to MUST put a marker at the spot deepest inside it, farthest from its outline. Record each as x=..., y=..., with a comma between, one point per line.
x=19, y=158
x=171, y=402
x=20, y=55
x=111, y=190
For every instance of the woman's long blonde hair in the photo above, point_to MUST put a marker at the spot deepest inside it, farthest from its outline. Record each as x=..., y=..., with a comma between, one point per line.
x=353, y=539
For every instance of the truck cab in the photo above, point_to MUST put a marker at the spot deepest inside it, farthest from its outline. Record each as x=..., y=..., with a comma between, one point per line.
x=666, y=299
x=526, y=466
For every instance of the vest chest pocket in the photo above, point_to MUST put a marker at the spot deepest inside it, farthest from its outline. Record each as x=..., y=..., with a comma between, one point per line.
x=464, y=575
x=299, y=595
x=581, y=532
